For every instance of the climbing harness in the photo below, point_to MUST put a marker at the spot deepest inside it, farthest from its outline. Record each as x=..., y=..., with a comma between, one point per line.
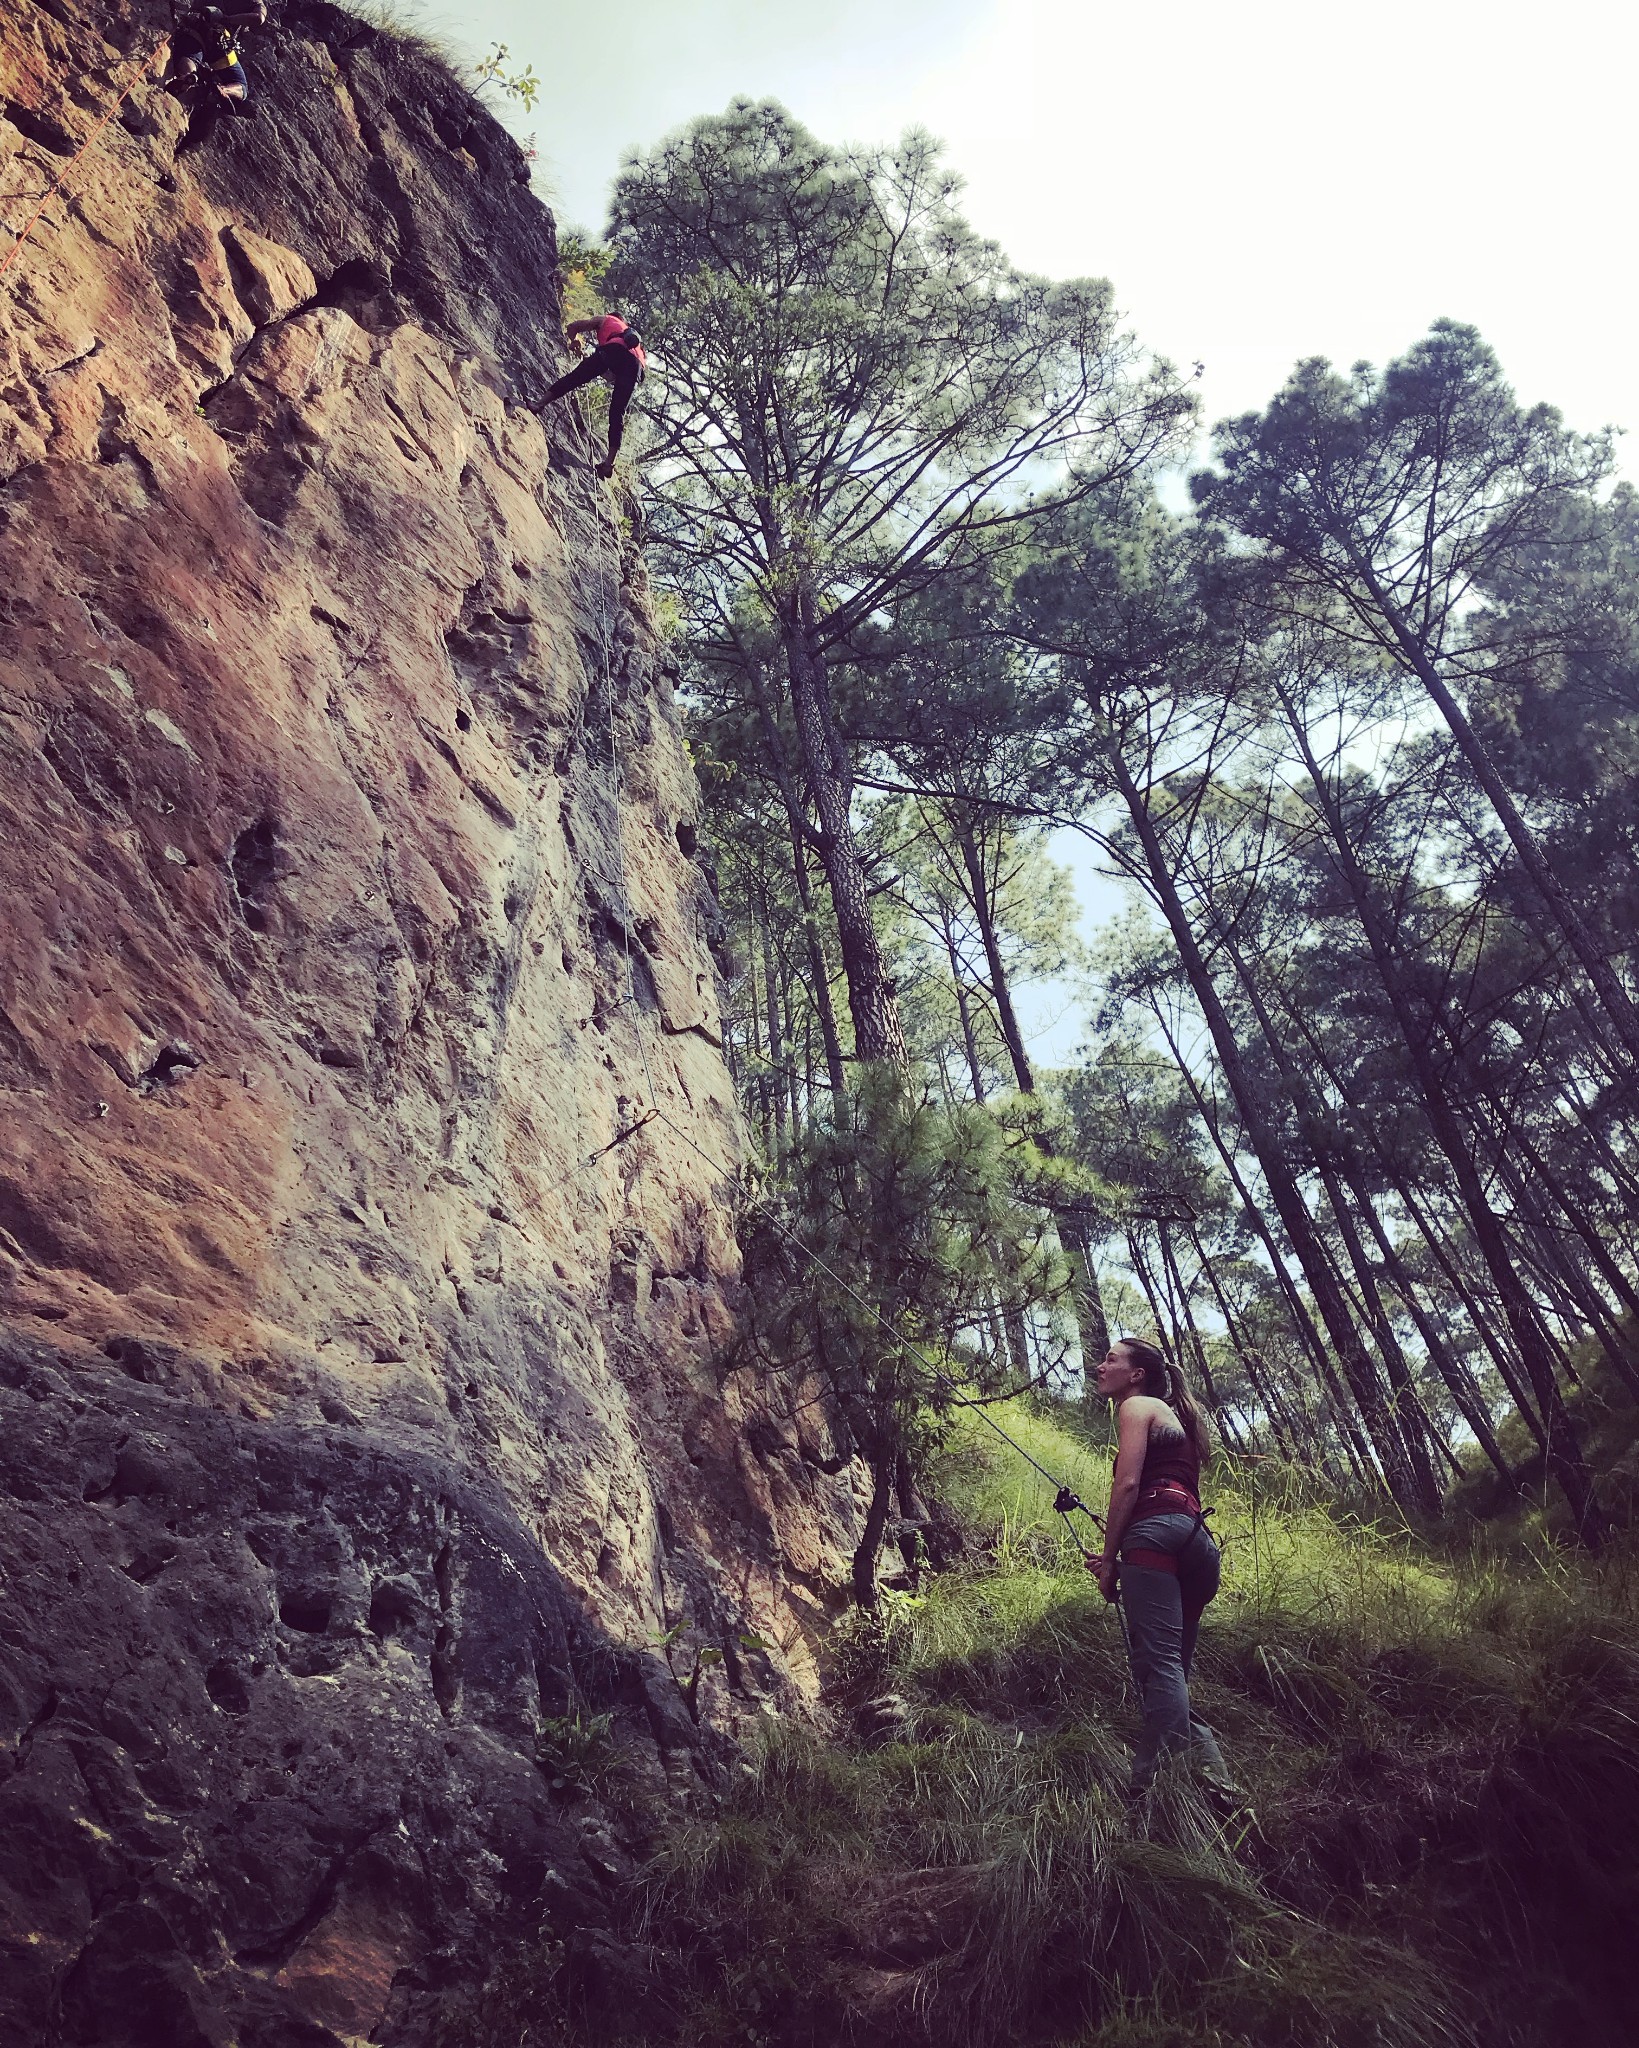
x=22, y=234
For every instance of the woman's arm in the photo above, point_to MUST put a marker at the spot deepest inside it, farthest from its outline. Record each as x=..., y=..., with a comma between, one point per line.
x=1132, y=1440
x=583, y=326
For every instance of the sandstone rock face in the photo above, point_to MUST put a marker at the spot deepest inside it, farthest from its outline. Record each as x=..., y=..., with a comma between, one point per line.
x=366, y=1261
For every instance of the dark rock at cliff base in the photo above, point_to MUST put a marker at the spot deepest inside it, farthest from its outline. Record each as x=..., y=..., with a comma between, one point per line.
x=275, y=1699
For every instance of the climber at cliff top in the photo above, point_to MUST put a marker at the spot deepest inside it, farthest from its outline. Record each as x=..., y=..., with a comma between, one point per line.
x=617, y=355
x=206, y=66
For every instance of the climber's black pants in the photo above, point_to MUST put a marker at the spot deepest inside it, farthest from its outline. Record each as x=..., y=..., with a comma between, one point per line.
x=202, y=92
x=622, y=370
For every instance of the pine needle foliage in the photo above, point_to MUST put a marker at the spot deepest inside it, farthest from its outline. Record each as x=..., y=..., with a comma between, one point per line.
x=916, y=1251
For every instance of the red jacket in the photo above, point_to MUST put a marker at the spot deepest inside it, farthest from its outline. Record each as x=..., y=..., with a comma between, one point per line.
x=610, y=328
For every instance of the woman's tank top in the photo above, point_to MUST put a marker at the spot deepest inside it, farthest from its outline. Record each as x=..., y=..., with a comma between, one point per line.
x=1172, y=1465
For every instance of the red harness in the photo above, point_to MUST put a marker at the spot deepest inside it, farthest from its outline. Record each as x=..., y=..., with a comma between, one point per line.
x=1165, y=1499
x=1168, y=1498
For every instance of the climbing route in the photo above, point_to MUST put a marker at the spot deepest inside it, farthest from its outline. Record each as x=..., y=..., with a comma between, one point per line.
x=21, y=235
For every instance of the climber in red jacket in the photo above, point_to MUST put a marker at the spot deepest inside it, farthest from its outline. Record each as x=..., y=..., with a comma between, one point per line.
x=617, y=354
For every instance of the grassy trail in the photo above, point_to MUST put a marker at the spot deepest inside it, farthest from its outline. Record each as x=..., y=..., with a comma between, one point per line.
x=1442, y=1753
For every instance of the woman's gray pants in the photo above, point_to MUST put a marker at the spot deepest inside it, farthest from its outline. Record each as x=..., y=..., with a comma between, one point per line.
x=1163, y=1611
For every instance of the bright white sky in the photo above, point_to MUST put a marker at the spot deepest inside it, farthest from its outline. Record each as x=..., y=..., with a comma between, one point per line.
x=1261, y=182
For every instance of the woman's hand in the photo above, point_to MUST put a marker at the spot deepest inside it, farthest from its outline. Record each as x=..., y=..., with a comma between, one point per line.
x=1103, y=1569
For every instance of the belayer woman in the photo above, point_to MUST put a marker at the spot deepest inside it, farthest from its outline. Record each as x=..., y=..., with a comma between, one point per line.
x=1159, y=1558
x=617, y=355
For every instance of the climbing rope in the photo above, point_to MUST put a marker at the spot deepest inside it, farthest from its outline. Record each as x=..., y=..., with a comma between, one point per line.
x=1065, y=1501
x=22, y=234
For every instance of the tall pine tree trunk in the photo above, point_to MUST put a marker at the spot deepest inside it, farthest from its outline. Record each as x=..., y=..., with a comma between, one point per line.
x=1613, y=998
x=813, y=939
x=1407, y=1409
x=1449, y=1369
x=1338, y=1402
x=985, y=913
x=1532, y=1341
x=828, y=774
x=1092, y=1325
x=1508, y=1369
x=1197, y=1343
x=1359, y=1369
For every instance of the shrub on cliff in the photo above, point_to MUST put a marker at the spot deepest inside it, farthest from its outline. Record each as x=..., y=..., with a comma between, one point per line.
x=891, y=1255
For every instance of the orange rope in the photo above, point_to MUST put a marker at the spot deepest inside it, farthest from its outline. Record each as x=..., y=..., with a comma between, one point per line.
x=56, y=184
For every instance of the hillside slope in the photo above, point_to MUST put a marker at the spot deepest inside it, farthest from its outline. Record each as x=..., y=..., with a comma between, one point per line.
x=1438, y=1747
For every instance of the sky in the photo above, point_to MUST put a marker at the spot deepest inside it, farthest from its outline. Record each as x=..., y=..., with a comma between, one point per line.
x=1261, y=182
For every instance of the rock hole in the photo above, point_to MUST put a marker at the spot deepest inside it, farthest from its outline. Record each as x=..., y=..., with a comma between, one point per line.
x=132, y=1355
x=356, y=287
x=39, y=129
x=446, y=1673
x=228, y=1688
x=453, y=134
x=252, y=865
x=393, y=1606
x=446, y=1660
x=687, y=838
x=337, y=1056
x=463, y=721
x=309, y=1612
x=175, y=1062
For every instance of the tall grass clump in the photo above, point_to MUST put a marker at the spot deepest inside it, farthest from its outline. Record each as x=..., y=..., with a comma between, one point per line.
x=1441, y=1752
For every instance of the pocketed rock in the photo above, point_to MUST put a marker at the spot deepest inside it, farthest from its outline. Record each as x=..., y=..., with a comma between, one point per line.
x=367, y=1259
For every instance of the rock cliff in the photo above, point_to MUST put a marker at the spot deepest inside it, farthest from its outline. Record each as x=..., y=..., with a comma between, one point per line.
x=366, y=1261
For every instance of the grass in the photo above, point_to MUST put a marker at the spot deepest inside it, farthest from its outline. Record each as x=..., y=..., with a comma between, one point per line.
x=406, y=22
x=1442, y=1749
